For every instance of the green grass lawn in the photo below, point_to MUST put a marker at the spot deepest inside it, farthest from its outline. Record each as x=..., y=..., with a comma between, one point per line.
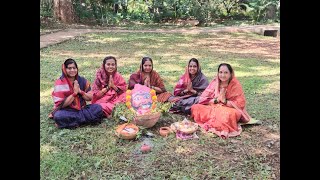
x=94, y=152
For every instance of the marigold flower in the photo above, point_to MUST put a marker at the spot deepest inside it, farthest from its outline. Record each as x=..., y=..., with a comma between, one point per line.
x=153, y=105
x=128, y=98
x=152, y=92
x=128, y=92
x=128, y=104
x=154, y=98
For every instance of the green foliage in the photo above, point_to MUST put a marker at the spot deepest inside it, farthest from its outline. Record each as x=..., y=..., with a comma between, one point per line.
x=121, y=109
x=205, y=11
x=105, y=13
x=46, y=8
x=257, y=9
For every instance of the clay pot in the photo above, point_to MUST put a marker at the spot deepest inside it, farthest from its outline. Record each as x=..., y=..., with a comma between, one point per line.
x=145, y=148
x=165, y=131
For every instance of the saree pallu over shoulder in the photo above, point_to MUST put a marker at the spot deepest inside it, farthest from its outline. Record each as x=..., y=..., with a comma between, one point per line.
x=234, y=95
x=134, y=78
x=98, y=85
x=155, y=80
x=199, y=83
x=111, y=97
x=63, y=88
x=218, y=118
x=138, y=78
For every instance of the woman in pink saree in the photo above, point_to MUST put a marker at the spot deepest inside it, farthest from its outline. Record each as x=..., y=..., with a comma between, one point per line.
x=189, y=87
x=222, y=105
x=109, y=86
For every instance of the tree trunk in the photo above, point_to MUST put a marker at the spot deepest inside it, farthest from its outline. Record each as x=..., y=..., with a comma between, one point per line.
x=271, y=11
x=64, y=12
x=116, y=8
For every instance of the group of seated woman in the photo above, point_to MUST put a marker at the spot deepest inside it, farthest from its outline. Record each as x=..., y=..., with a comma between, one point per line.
x=217, y=106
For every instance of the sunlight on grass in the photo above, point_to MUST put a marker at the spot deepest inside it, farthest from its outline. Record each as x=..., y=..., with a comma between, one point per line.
x=46, y=93
x=272, y=88
x=171, y=67
x=46, y=149
x=104, y=40
x=182, y=150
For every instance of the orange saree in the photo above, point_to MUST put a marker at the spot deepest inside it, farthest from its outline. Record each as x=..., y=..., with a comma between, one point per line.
x=221, y=119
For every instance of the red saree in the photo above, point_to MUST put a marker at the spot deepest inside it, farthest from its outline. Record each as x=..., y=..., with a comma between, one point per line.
x=219, y=118
x=77, y=113
x=111, y=97
x=155, y=80
x=63, y=88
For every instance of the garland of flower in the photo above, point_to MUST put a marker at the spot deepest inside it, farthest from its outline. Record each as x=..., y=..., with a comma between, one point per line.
x=128, y=99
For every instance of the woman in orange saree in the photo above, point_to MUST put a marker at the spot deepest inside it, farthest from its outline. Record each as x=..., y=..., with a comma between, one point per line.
x=150, y=78
x=109, y=86
x=222, y=105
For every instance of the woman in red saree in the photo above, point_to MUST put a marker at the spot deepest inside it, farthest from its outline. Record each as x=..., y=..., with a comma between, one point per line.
x=222, y=105
x=150, y=78
x=109, y=86
x=189, y=87
x=70, y=95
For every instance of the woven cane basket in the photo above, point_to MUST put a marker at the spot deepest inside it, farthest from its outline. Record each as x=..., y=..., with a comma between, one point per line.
x=147, y=120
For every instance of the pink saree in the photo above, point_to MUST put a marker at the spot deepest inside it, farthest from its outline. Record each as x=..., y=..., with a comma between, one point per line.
x=111, y=97
x=199, y=83
x=219, y=118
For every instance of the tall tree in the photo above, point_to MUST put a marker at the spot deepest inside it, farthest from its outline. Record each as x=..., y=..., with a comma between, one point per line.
x=64, y=11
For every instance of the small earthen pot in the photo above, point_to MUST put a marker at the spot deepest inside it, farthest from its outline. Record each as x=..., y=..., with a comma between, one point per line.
x=165, y=131
x=145, y=148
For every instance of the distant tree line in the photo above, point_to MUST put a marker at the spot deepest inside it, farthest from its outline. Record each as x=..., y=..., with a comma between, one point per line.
x=111, y=12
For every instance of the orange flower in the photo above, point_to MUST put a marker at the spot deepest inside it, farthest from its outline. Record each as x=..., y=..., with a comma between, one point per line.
x=128, y=98
x=153, y=105
x=128, y=92
x=152, y=92
x=154, y=98
x=128, y=104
